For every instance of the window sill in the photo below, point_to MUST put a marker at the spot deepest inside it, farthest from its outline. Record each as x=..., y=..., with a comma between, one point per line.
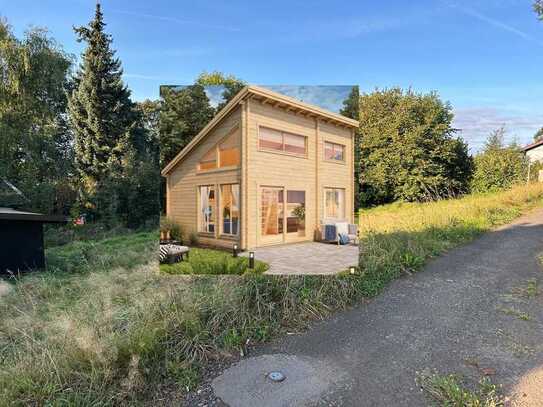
x=206, y=234
x=335, y=162
x=229, y=237
x=215, y=170
x=262, y=150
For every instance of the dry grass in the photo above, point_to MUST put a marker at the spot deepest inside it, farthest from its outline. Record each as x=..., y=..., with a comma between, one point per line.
x=477, y=211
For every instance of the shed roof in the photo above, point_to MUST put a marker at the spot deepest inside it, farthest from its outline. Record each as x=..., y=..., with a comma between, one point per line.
x=266, y=96
x=533, y=145
x=12, y=214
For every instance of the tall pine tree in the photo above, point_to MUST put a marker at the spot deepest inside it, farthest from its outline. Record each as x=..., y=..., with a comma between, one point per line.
x=101, y=113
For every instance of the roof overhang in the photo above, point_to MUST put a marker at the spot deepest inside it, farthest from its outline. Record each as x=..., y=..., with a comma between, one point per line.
x=533, y=145
x=264, y=96
x=12, y=214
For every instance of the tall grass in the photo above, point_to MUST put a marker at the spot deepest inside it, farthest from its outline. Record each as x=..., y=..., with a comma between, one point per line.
x=401, y=237
x=120, y=334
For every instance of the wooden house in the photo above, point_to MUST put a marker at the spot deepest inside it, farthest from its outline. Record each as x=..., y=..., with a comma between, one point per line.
x=267, y=169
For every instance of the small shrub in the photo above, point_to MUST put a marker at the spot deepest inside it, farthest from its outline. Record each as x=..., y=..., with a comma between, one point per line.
x=194, y=240
x=171, y=226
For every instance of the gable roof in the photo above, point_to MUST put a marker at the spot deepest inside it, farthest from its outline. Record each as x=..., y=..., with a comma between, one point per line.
x=275, y=99
x=533, y=145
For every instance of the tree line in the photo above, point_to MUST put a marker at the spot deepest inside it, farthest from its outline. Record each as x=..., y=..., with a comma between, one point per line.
x=72, y=139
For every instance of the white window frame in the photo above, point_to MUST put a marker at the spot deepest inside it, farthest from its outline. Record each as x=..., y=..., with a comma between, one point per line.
x=342, y=206
x=222, y=232
x=334, y=145
x=201, y=215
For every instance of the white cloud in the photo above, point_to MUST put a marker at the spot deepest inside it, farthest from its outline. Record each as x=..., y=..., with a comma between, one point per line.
x=476, y=123
x=494, y=22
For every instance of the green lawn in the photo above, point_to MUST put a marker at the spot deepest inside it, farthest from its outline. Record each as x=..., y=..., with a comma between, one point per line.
x=213, y=262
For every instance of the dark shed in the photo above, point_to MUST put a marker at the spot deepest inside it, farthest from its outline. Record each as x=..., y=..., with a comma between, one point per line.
x=21, y=239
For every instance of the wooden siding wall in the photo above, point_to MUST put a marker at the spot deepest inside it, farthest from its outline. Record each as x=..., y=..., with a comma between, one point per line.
x=184, y=180
x=264, y=168
x=310, y=174
x=336, y=174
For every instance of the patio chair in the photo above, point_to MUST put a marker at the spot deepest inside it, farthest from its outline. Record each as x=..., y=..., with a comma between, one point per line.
x=332, y=229
x=172, y=253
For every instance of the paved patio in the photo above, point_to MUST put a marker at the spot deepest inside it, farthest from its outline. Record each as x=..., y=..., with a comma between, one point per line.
x=307, y=258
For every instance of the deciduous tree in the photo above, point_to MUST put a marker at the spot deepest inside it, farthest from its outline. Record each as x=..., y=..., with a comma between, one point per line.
x=408, y=148
x=36, y=143
x=538, y=8
x=231, y=84
x=183, y=114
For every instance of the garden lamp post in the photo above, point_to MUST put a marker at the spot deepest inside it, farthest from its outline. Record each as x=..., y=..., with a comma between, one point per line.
x=251, y=260
x=235, y=250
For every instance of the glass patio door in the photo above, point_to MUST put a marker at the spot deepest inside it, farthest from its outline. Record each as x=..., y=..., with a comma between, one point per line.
x=272, y=215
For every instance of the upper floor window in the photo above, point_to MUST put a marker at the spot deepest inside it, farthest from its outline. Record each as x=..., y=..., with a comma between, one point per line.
x=229, y=154
x=333, y=151
x=209, y=160
x=225, y=154
x=276, y=140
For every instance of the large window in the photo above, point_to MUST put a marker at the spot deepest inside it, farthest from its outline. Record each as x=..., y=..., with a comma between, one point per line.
x=209, y=160
x=229, y=149
x=207, y=209
x=296, y=212
x=335, y=152
x=225, y=154
x=272, y=211
x=334, y=200
x=275, y=140
x=230, y=209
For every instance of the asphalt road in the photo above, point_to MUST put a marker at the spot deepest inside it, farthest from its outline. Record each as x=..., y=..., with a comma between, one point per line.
x=461, y=315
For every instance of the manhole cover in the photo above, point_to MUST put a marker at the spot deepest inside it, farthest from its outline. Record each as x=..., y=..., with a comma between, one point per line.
x=276, y=376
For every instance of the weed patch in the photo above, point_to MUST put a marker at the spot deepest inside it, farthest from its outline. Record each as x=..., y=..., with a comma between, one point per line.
x=454, y=391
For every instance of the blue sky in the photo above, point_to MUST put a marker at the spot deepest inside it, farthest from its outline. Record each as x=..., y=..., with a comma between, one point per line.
x=484, y=56
x=330, y=97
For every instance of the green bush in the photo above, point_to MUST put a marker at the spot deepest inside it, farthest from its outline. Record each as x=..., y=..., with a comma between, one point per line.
x=499, y=167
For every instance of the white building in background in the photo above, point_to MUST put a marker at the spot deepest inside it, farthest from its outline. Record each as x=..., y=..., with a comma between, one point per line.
x=534, y=151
